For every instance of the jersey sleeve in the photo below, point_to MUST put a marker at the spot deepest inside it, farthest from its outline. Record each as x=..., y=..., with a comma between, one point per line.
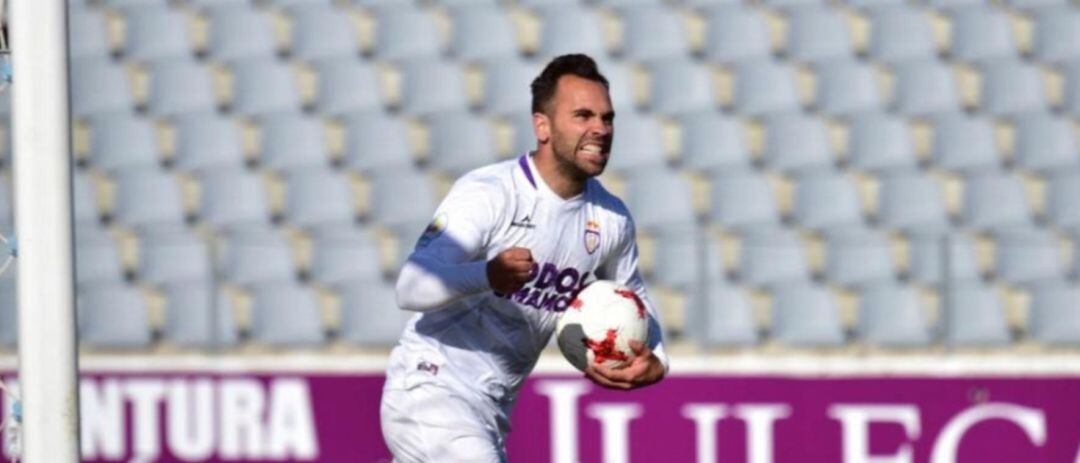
x=449, y=260
x=622, y=267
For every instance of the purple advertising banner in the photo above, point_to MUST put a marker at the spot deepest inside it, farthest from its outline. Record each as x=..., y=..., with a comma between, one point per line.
x=707, y=418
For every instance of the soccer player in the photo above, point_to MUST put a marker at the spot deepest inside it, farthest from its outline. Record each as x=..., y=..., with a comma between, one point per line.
x=507, y=250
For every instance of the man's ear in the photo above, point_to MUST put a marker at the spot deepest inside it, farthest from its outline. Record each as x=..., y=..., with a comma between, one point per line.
x=541, y=127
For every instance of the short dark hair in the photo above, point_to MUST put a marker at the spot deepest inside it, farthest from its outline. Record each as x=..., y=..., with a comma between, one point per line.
x=543, y=87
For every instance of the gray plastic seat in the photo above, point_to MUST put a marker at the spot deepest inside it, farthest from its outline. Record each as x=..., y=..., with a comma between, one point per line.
x=912, y=201
x=827, y=200
x=369, y=314
x=99, y=86
x=122, y=140
x=900, y=33
x=686, y=255
x=1072, y=88
x=506, y=85
x=881, y=142
x=7, y=206
x=846, y=87
x=87, y=33
x=322, y=31
x=712, y=141
x=659, y=198
x=433, y=85
x=233, y=197
x=344, y=253
x=1053, y=318
x=681, y=85
x=483, y=31
x=402, y=197
x=239, y=31
x=806, y=315
x=742, y=198
x=980, y=33
x=857, y=257
x=285, y=314
x=1011, y=87
x=179, y=86
x=293, y=141
x=764, y=86
x=817, y=33
x=772, y=257
x=788, y=5
x=1057, y=34
x=721, y=315
x=198, y=315
x=1028, y=256
x=524, y=133
x=318, y=196
x=113, y=315
x=85, y=202
x=376, y=141
x=653, y=32
x=925, y=87
x=639, y=143
x=736, y=32
x=461, y=142
x=571, y=29
x=1045, y=143
x=796, y=142
x=208, y=142
x=97, y=257
x=9, y=310
x=995, y=201
x=974, y=316
x=148, y=196
x=155, y=32
x=619, y=74
x=1061, y=197
x=927, y=262
x=257, y=253
x=347, y=85
x=965, y=143
x=1034, y=5
x=173, y=255
x=405, y=32
x=891, y=315
x=263, y=86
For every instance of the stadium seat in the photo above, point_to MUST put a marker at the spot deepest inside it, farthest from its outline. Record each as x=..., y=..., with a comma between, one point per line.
x=639, y=144
x=483, y=31
x=285, y=314
x=524, y=133
x=806, y=315
x=180, y=86
x=891, y=315
x=257, y=253
x=881, y=142
x=9, y=317
x=736, y=32
x=900, y=33
x=721, y=315
x=981, y=33
x=1053, y=318
x=912, y=201
x=858, y=256
x=461, y=142
x=197, y=314
x=653, y=32
x=207, y=142
x=85, y=201
x=129, y=4
x=369, y=314
x=772, y=257
x=343, y=253
x=233, y=197
x=322, y=31
x=318, y=196
x=7, y=206
x=122, y=140
x=659, y=198
x=406, y=32
x=712, y=141
x=99, y=86
x=571, y=29
x=742, y=198
x=1072, y=88
x=148, y=196
x=764, y=86
x=97, y=257
x=620, y=76
x=925, y=87
x=947, y=6
x=239, y=31
x=168, y=255
x=1011, y=87
x=87, y=33
x=995, y=201
x=964, y=143
x=376, y=141
x=433, y=85
x=402, y=197
x=156, y=32
x=1046, y=143
x=788, y=5
x=1057, y=34
x=506, y=85
x=974, y=316
x=795, y=142
x=817, y=33
x=685, y=256
x=113, y=316
x=293, y=141
x=926, y=262
x=826, y=200
x=346, y=85
x=1028, y=256
x=1061, y=199
x=847, y=87
x=681, y=85
x=264, y=86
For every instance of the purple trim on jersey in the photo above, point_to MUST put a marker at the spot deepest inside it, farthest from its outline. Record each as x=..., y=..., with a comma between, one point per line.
x=525, y=167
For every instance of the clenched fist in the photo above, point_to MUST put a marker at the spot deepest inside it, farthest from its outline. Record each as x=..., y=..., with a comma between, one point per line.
x=509, y=270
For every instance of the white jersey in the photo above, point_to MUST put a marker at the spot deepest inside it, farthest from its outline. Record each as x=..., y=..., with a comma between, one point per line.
x=482, y=343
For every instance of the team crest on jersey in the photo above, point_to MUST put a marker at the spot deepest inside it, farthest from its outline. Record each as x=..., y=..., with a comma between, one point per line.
x=433, y=230
x=592, y=236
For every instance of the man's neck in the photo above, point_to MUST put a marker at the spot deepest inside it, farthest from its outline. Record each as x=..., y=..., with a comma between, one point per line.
x=558, y=181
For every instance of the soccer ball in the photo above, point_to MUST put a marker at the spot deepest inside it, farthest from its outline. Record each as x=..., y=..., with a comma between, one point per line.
x=599, y=324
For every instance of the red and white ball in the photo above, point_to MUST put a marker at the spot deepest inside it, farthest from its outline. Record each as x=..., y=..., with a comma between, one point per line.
x=599, y=325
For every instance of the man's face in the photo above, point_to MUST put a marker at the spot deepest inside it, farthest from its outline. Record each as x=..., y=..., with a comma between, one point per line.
x=581, y=129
